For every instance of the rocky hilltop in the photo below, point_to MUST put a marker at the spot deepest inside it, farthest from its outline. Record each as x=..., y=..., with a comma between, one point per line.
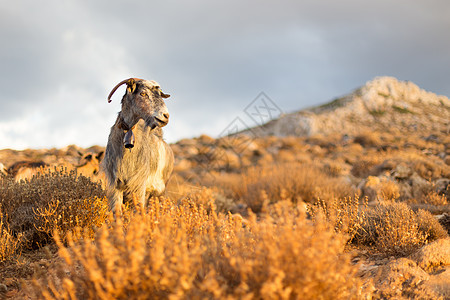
x=383, y=104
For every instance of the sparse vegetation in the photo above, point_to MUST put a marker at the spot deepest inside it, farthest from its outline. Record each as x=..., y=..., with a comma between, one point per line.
x=402, y=110
x=393, y=229
x=286, y=219
x=10, y=245
x=172, y=251
x=377, y=113
x=56, y=200
x=259, y=186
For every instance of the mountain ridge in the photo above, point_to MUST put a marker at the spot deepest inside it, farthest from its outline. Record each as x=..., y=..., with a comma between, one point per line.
x=384, y=103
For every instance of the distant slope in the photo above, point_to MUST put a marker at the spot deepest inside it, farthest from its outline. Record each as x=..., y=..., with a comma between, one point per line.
x=384, y=103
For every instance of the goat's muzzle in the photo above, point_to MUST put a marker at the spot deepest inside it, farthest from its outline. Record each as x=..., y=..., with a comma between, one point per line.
x=160, y=120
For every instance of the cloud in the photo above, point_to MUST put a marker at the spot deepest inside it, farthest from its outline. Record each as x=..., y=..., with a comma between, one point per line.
x=62, y=58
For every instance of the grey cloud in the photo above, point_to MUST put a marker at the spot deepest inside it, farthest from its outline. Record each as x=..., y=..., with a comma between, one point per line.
x=213, y=57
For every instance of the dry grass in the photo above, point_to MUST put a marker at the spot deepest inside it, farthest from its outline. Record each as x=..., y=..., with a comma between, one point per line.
x=392, y=228
x=294, y=181
x=10, y=245
x=294, y=243
x=430, y=226
x=434, y=198
x=397, y=230
x=57, y=199
x=368, y=139
x=180, y=251
x=347, y=215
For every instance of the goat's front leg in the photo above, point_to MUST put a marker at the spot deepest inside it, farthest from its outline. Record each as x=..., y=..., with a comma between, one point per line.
x=140, y=197
x=115, y=200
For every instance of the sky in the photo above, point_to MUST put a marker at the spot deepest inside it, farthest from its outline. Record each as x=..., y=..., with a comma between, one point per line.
x=59, y=59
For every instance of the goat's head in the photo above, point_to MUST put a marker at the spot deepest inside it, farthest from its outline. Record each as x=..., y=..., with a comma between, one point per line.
x=144, y=99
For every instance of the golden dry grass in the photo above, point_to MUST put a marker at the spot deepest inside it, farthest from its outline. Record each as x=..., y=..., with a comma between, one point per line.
x=393, y=228
x=296, y=182
x=182, y=252
x=54, y=200
x=10, y=245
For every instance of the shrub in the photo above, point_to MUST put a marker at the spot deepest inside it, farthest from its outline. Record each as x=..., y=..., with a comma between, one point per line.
x=368, y=139
x=429, y=226
x=54, y=200
x=383, y=188
x=347, y=215
x=9, y=244
x=295, y=182
x=393, y=229
x=182, y=251
x=435, y=198
x=365, y=166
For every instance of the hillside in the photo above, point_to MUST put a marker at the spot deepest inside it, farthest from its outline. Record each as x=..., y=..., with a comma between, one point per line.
x=383, y=104
x=348, y=200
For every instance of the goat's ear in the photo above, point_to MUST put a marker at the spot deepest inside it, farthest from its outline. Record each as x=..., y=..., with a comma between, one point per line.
x=100, y=155
x=164, y=95
x=131, y=85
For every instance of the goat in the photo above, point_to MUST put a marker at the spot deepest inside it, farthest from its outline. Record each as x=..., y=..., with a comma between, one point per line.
x=89, y=164
x=23, y=170
x=3, y=170
x=137, y=161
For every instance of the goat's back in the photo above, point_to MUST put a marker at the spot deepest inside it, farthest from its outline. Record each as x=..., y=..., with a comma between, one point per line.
x=26, y=169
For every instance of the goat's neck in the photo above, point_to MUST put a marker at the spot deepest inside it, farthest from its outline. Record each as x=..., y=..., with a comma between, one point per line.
x=128, y=119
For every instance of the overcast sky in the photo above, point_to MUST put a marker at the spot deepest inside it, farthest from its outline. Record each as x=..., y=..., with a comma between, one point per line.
x=59, y=59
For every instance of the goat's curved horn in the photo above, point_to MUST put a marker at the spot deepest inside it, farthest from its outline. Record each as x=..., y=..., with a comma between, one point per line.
x=119, y=84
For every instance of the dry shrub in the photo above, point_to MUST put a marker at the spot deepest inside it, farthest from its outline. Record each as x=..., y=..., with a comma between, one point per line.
x=89, y=213
x=389, y=190
x=205, y=196
x=368, y=139
x=213, y=197
x=335, y=168
x=54, y=200
x=376, y=188
x=365, y=167
x=429, y=167
x=10, y=245
x=347, y=215
x=202, y=196
x=430, y=226
x=426, y=166
x=435, y=198
x=394, y=229
x=375, y=162
x=351, y=152
x=174, y=252
x=178, y=187
x=293, y=181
